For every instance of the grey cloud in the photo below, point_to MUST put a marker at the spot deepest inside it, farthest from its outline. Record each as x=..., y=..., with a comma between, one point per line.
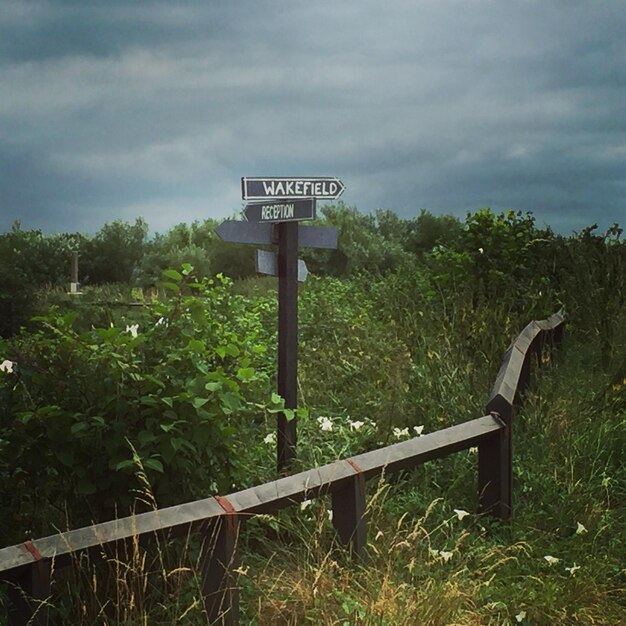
x=124, y=107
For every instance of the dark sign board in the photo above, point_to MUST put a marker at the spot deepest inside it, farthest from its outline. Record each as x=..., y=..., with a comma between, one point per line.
x=291, y=187
x=280, y=210
x=264, y=234
x=245, y=232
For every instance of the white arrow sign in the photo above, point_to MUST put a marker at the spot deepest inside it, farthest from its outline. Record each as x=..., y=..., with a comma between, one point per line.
x=267, y=263
x=292, y=187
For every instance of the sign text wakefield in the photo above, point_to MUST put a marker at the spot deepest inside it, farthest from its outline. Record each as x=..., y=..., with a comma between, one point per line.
x=325, y=187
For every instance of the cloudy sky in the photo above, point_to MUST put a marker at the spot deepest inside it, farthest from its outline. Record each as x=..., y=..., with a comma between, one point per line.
x=115, y=109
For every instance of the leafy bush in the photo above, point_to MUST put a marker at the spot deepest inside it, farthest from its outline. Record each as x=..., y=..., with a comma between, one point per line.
x=181, y=391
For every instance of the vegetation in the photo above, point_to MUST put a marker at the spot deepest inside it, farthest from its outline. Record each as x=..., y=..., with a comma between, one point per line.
x=401, y=333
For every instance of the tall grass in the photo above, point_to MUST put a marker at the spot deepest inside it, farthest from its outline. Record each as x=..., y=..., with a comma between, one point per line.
x=386, y=356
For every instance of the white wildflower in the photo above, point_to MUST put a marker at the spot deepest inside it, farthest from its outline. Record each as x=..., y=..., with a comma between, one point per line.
x=520, y=616
x=552, y=560
x=7, y=366
x=270, y=438
x=418, y=430
x=481, y=250
x=398, y=433
x=473, y=450
x=305, y=504
x=572, y=570
x=460, y=513
x=356, y=425
x=330, y=515
x=325, y=423
x=580, y=529
x=443, y=554
x=132, y=329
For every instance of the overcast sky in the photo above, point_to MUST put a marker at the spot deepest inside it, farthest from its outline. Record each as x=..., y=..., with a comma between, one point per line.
x=115, y=109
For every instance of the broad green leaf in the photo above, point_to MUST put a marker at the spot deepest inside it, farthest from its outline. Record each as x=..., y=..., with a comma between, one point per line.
x=76, y=428
x=199, y=402
x=154, y=464
x=99, y=420
x=230, y=403
x=173, y=274
x=232, y=349
x=196, y=345
x=245, y=374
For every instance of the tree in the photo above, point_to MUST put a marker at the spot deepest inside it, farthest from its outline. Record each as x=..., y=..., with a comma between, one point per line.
x=114, y=253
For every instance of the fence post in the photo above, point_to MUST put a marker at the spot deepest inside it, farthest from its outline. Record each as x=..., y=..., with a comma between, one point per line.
x=219, y=581
x=495, y=463
x=349, y=516
x=74, y=285
x=27, y=596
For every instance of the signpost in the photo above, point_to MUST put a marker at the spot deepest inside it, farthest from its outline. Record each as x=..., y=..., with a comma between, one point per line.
x=267, y=234
x=292, y=187
x=286, y=201
x=280, y=210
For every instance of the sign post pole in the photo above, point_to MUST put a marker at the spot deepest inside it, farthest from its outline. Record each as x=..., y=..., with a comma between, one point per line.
x=283, y=203
x=287, y=339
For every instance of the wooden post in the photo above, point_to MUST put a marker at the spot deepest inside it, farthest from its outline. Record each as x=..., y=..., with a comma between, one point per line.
x=219, y=581
x=74, y=278
x=74, y=286
x=495, y=464
x=287, y=339
x=349, y=517
x=28, y=595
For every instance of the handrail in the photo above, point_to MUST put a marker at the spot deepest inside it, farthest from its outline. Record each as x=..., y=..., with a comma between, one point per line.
x=513, y=376
x=28, y=564
x=265, y=498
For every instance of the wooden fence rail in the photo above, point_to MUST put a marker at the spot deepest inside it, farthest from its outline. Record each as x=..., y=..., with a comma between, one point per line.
x=27, y=566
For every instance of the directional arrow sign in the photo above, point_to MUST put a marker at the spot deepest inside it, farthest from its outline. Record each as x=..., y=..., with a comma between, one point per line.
x=245, y=232
x=263, y=234
x=267, y=263
x=292, y=187
x=280, y=210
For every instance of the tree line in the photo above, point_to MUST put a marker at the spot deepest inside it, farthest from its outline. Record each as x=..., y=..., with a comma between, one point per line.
x=494, y=249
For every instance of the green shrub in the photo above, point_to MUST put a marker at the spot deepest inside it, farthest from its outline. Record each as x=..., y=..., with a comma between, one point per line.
x=181, y=391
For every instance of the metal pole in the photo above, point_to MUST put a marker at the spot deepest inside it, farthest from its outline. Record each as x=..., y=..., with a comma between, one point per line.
x=287, y=338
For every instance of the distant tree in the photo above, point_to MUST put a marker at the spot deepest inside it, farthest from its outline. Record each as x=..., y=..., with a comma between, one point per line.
x=114, y=253
x=366, y=242
x=28, y=261
x=427, y=230
x=183, y=243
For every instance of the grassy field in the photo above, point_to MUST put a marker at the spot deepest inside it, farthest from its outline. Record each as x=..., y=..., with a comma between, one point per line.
x=185, y=384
